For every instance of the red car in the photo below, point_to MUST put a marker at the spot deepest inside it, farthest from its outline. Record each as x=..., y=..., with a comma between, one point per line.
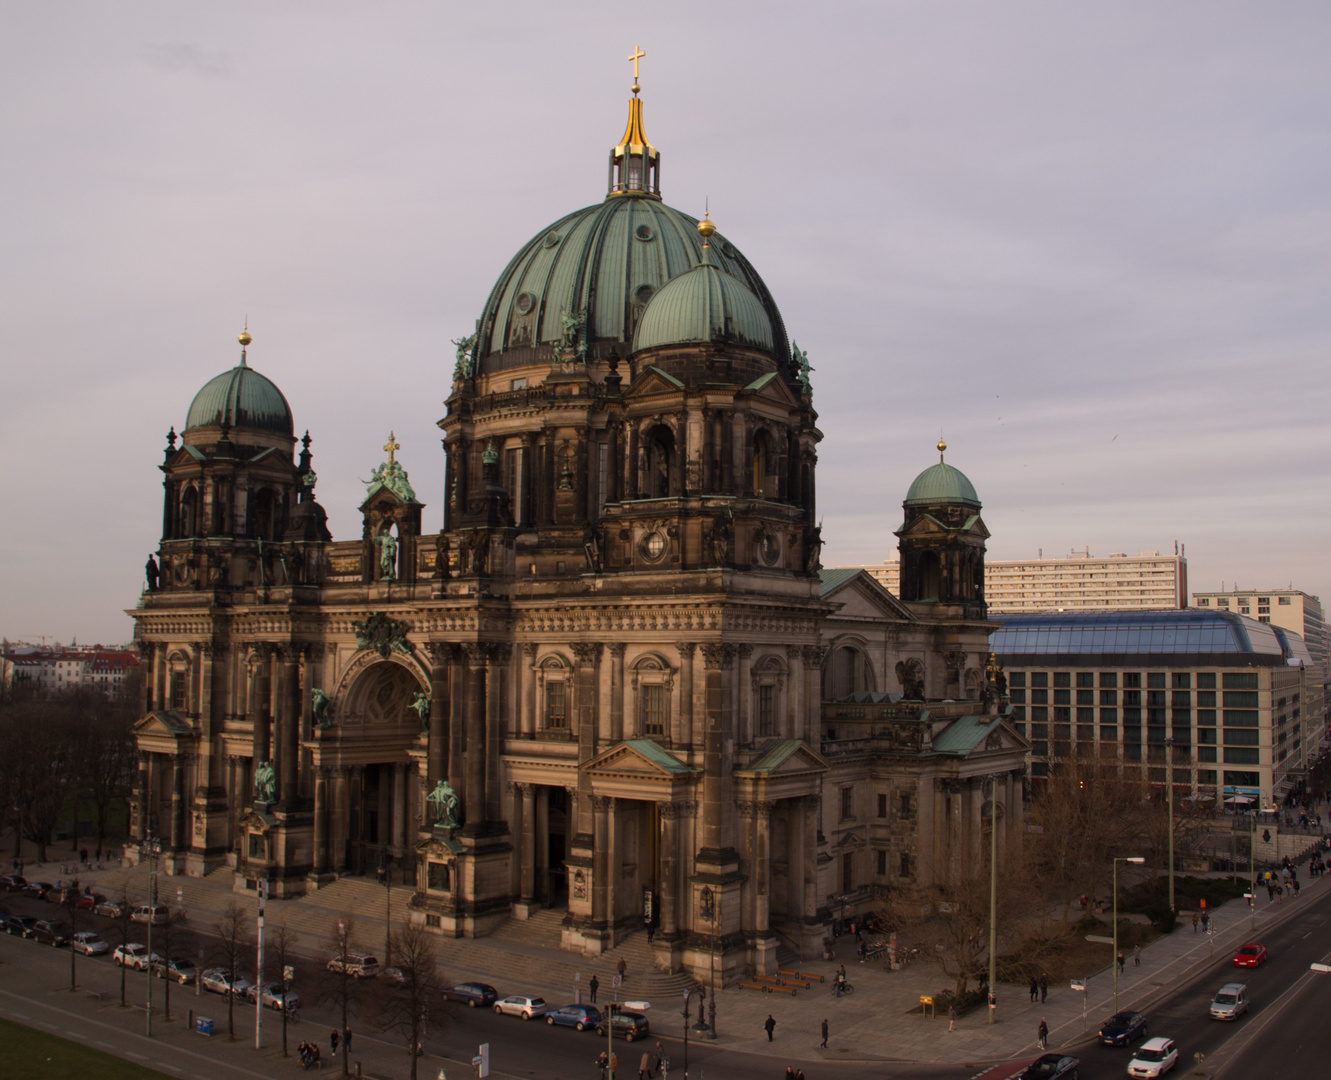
x=1250, y=955
x=88, y=900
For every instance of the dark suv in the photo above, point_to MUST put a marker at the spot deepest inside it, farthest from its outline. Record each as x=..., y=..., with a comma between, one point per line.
x=45, y=933
x=626, y=1025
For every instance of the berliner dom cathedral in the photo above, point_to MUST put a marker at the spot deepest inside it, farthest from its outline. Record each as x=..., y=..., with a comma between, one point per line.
x=605, y=685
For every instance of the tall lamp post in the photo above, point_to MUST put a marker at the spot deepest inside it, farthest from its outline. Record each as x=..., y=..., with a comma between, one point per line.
x=1136, y=860
x=153, y=846
x=1169, y=788
x=687, y=1014
x=709, y=912
x=991, y=809
x=1252, y=867
x=386, y=872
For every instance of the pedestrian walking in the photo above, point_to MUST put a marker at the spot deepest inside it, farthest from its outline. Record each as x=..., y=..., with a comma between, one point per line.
x=1042, y=1034
x=593, y=986
x=334, y=1039
x=799, y=1074
x=1194, y=922
x=1044, y=988
x=622, y=967
x=346, y=1041
x=1206, y=923
x=951, y=1018
x=1035, y=988
x=1296, y=886
x=645, y=1066
x=790, y=1072
x=824, y=1043
x=1136, y=956
x=769, y=1025
x=603, y=1063
x=660, y=1058
x=1122, y=963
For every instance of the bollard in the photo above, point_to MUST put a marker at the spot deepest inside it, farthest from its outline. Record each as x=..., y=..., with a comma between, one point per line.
x=358, y=1070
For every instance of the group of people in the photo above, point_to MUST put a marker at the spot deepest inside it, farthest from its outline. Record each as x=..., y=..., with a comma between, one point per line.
x=1039, y=988
x=309, y=1054
x=794, y=1074
x=651, y=1063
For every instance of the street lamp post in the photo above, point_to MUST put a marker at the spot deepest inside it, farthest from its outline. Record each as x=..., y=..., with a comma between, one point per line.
x=154, y=848
x=386, y=868
x=993, y=892
x=1252, y=868
x=1137, y=860
x=687, y=1015
x=1169, y=788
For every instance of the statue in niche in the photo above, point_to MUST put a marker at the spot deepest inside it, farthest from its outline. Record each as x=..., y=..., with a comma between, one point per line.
x=387, y=545
x=716, y=541
x=813, y=550
x=151, y=572
x=420, y=705
x=442, y=804
x=910, y=673
x=265, y=782
x=440, y=556
x=320, y=706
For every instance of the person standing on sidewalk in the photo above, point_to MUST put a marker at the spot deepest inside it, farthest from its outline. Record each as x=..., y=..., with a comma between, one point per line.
x=645, y=1066
x=1044, y=988
x=769, y=1025
x=1035, y=988
x=1194, y=922
x=824, y=1043
x=951, y=1018
x=346, y=1041
x=1136, y=956
x=1042, y=1035
x=334, y=1040
x=622, y=968
x=1122, y=963
x=593, y=986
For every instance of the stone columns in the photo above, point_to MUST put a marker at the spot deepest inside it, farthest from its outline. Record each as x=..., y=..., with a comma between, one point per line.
x=670, y=862
x=233, y=800
x=542, y=853
x=744, y=719
x=457, y=722
x=528, y=676
x=398, y=837
x=339, y=826
x=141, y=800
x=385, y=830
x=682, y=733
x=497, y=662
x=809, y=843
x=321, y=795
x=288, y=726
x=177, y=830
x=160, y=700
x=437, y=753
x=718, y=660
x=527, y=855
x=354, y=816
x=474, y=752
x=261, y=702
x=617, y=650
x=604, y=865
x=762, y=867
x=811, y=693
x=209, y=773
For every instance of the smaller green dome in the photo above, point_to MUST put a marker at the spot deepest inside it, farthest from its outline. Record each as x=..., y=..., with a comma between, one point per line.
x=704, y=304
x=942, y=483
x=244, y=400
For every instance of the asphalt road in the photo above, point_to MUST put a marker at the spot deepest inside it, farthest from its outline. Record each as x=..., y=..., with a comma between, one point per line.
x=1289, y=1007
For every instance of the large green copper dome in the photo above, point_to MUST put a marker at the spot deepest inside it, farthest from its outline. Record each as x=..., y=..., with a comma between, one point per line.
x=942, y=484
x=701, y=305
x=242, y=399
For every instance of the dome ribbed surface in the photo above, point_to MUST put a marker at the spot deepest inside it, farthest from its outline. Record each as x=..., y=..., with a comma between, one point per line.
x=244, y=399
x=942, y=483
x=607, y=262
x=705, y=304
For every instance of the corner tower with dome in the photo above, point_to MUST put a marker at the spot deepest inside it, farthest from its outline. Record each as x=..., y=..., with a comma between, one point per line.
x=594, y=698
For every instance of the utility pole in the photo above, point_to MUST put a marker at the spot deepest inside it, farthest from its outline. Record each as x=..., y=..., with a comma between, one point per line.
x=154, y=847
x=1169, y=787
x=258, y=969
x=993, y=893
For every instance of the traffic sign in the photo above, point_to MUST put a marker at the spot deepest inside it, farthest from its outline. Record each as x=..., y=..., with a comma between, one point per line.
x=617, y=981
x=1079, y=985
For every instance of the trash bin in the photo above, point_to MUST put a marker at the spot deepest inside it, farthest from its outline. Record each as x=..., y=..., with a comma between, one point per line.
x=203, y=1025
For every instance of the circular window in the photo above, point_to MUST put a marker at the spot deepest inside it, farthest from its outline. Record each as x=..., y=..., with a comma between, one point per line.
x=525, y=303
x=644, y=232
x=728, y=248
x=551, y=239
x=653, y=545
x=643, y=294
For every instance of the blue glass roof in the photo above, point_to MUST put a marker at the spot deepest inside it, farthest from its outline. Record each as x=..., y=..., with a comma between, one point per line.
x=1082, y=633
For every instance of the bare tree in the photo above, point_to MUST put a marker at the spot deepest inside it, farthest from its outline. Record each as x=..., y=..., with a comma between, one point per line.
x=282, y=941
x=338, y=985
x=233, y=943
x=123, y=925
x=405, y=1006
x=75, y=914
x=177, y=940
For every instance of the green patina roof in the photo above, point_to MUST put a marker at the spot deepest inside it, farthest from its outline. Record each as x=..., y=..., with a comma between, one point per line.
x=704, y=304
x=942, y=483
x=831, y=578
x=242, y=399
x=607, y=261
x=775, y=756
x=658, y=755
x=964, y=735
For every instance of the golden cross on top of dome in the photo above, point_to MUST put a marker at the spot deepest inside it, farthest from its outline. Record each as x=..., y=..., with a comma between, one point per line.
x=392, y=446
x=635, y=56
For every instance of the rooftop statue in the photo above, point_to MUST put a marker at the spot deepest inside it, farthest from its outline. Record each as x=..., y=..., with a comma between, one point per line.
x=265, y=782
x=392, y=476
x=801, y=359
x=387, y=545
x=466, y=361
x=420, y=705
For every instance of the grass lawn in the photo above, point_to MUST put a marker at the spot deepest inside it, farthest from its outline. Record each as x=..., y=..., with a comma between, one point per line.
x=34, y=1055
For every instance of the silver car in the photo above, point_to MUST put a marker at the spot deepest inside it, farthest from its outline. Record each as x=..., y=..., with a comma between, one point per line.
x=88, y=943
x=523, y=1005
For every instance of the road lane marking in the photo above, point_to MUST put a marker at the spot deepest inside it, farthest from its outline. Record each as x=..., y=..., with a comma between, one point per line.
x=168, y=1065
x=107, y=1045
x=136, y=1057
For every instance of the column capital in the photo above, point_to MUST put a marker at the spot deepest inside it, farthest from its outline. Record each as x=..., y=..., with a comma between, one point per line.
x=440, y=652
x=475, y=653
x=500, y=652
x=672, y=811
x=603, y=803
x=617, y=649
x=718, y=656
x=814, y=655
x=586, y=652
x=530, y=649
x=685, y=650
x=744, y=650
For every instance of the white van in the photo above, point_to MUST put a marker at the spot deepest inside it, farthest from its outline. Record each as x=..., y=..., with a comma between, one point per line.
x=150, y=913
x=1230, y=1002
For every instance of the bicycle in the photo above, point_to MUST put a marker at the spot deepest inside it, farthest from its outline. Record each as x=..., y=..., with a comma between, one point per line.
x=293, y=1014
x=846, y=989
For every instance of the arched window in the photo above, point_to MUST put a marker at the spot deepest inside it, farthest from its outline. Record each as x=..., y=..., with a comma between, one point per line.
x=189, y=512
x=764, y=466
x=847, y=673
x=555, y=687
x=265, y=518
x=931, y=575
x=660, y=461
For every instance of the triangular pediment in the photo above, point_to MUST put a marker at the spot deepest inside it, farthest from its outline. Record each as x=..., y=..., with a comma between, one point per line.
x=928, y=525
x=863, y=597
x=166, y=723
x=786, y=758
x=652, y=380
x=772, y=387
x=640, y=758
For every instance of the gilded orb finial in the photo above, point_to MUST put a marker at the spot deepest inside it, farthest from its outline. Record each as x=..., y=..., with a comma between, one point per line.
x=244, y=337
x=941, y=447
x=706, y=227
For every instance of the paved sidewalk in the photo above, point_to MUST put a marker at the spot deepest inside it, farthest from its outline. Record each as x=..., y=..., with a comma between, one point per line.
x=874, y=1023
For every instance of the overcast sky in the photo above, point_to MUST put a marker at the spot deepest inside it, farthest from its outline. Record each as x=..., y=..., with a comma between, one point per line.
x=1090, y=243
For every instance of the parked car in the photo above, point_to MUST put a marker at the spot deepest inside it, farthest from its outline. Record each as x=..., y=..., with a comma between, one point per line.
x=47, y=933
x=581, y=1017
x=7, y=926
x=88, y=943
x=1123, y=1028
x=361, y=965
x=219, y=981
x=1052, y=1067
x=1253, y=955
x=626, y=1025
x=133, y=956
x=394, y=974
x=180, y=970
x=63, y=895
x=21, y=925
x=472, y=993
x=273, y=996
x=1230, y=1002
x=112, y=909
x=150, y=913
x=37, y=889
x=1153, y=1059
x=88, y=901
x=523, y=1005
x=13, y=882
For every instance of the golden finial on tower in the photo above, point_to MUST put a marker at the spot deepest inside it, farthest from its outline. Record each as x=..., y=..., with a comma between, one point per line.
x=635, y=56
x=941, y=447
x=706, y=227
x=391, y=447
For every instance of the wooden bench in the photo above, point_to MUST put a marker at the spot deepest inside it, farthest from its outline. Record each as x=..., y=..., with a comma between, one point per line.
x=767, y=979
x=778, y=988
x=811, y=978
x=801, y=983
x=754, y=986
x=791, y=974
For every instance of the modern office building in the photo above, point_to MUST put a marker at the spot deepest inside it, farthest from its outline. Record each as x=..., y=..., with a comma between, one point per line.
x=1146, y=581
x=1290, y=608
x=1227, y=690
